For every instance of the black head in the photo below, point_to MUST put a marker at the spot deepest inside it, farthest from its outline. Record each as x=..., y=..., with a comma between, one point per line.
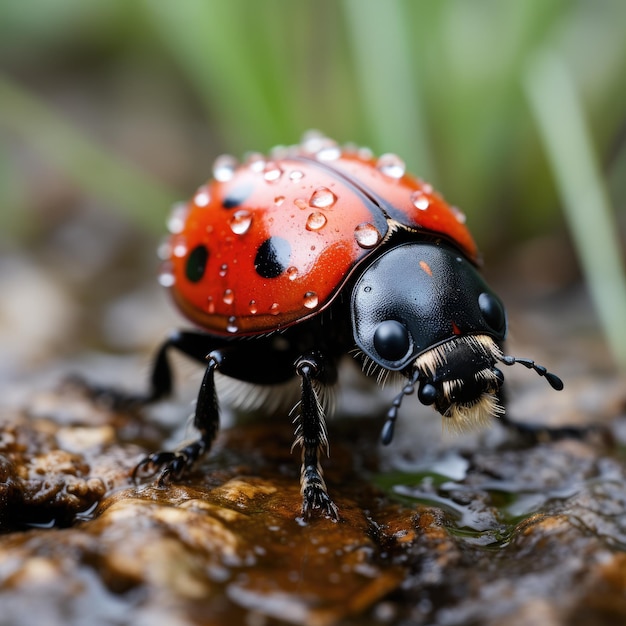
x=423, y=310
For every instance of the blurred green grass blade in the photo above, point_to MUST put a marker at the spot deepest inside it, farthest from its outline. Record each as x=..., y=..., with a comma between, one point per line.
x=617, y=175
x=228, y=64
x=388, y=82
x=13, y=217
x=558, y=111
x=106, y=176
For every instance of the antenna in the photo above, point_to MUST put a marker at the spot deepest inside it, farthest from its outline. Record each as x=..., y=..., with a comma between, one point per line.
x=553, y=380
x=386, y=435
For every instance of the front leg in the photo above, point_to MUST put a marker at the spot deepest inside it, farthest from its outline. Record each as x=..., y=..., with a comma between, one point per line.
x=311, y=435
x=255, y=361
x=172, y=465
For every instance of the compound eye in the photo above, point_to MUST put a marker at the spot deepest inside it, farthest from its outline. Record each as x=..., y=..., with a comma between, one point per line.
x=493, y=312
x=391, y=340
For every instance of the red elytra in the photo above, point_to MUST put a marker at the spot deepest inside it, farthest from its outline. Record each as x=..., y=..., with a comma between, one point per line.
x=269, y=243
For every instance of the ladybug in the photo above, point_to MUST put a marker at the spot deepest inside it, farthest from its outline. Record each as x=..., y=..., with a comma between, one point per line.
x=289, y=262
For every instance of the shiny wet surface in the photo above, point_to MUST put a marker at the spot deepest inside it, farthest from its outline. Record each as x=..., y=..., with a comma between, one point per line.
x=484, y=530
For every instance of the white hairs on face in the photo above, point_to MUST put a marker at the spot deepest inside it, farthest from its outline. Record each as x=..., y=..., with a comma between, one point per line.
x=461, y=417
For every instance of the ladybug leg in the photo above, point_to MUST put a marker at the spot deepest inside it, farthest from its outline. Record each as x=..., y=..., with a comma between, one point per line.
x=193, y=344
x=236, y=361
x=172, y=465
x=311, y=435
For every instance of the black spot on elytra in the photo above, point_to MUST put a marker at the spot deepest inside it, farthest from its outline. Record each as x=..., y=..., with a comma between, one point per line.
x=196, y=263
x=272, y=257
x=237, y=195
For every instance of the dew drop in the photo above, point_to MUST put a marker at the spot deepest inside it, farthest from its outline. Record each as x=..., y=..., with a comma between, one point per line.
x=427, y=188
x=202, y=197
x=330, y=152
x=278, y=200
x=210, y=307
x=240, y=222
x=366, y=235
x=275, y=309
x=313, y=141
x=420, y=200
x=310, y=300
x=272, y=172
x=223, y=270
x=292, y=272
x=301, y=203
x=365, y=153
x=391, y=165
x=255, y=161
x=253, y=307
x=296, y=175
x=231, y=325
x=316, y=221
x=228, y=297
x=460, y=216
x=224, y=167
x=322, y=198
x=177, y=218
x=166, y=276
x=179, y=247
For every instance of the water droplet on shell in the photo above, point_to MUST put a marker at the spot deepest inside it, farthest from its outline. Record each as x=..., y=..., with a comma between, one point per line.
x=460, y=216
x=166, y=276
x=272, y=172
x=224, y=167
x=330, y=152
x=240, y=222
x=391, y=165
x=316, y=221
x=322, y=198
x=420, y=200
x=231, y=325
x=202, y=197
x=179, y=247
x=310, y=300
x=228, y=297
x=255, y=161
x=366, y=235
x=177, y=218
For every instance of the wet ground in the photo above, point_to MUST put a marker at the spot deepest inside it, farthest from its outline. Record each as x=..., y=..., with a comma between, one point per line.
x=484, y=528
